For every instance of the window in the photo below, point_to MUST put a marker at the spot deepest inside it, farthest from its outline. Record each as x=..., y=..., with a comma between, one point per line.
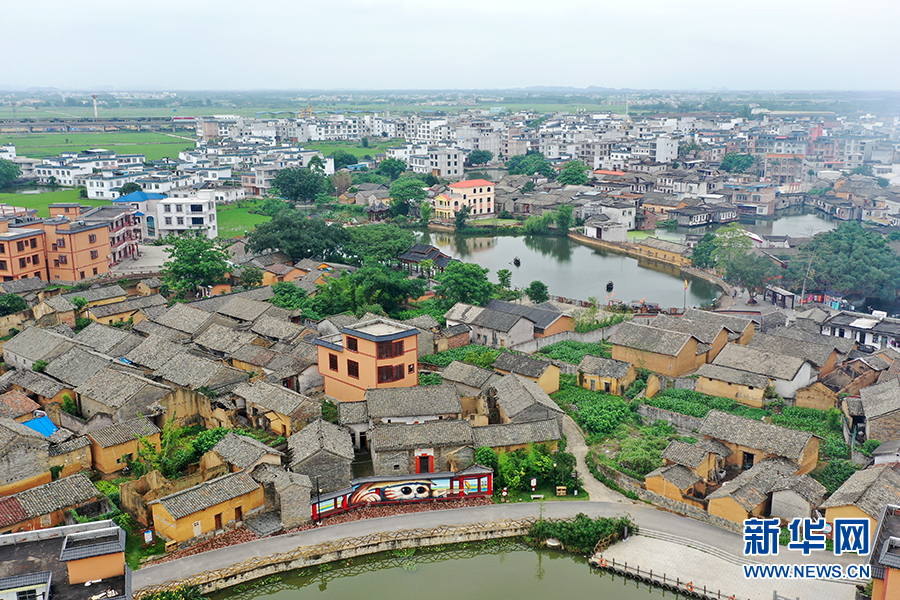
x=390, y=349
x=167, y=207
x=332, y=362
x=61, y=242
x=177, y=208
x=22, y=263
x=168, y=220
x=412, y=367
x=180, y=220
x=20, y=246
x=353, y=369
x=2, y=248
x=95, y=270
x=94, y=253
x=33, y=243
x=196, y=220
x=352, y=344
x=36, y=259
x=63, y=259
x=81, y=273
x=2, y=265
x=27, y=595
x=388, y=374
x=92, y=238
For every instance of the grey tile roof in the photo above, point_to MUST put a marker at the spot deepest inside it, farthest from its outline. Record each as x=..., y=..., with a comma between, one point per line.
x=515, y=394
x=88, y=544
x=771, y=439
x=880, y=399
x=463, y=313
x=34, y=343
x=96, y=294
x=385, y=403
x=430, y=434
x=320, y=436
x=218, y=338
x=59, y=304
x=108, y=340
x=194, y=372
x=468, y=375
x=814, y=353
x=423, y=322
x=514, y=434
x=735, y=323
x=649, y=339
x=208, y=494
x=272, y=397
x=805, y=486
x=752, y=487
x=688, y=455
x=455, y=330
x=150, y=328
x=542, y=317
x=705, y=331
x=32, y=381
x=276, y=329
x=254, y=355
x=123, y=432
x=604, y=367
x=73, y=443
x=77, y=366
x=730, y=375
x=663, y=245
x=21, y=286
x=242, y=451
x=520, y=364
x=869, y=490
x=243, y=309
x=154, y=352
x=114, y=388
x=352, y=413
x=184, y=318
x=496, y=320
x=679, y=476
x=57, y=495
x=761, y=362
x=130, y=304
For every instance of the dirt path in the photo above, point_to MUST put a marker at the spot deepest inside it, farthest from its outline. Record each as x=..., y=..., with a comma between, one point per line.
x=575, y=444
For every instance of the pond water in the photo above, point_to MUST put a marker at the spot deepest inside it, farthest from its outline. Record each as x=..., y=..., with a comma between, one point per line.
x=511, y=571
x=794, y=222
x=575, y=271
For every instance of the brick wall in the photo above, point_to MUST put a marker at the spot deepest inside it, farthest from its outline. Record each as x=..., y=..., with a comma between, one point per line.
x=676, y=420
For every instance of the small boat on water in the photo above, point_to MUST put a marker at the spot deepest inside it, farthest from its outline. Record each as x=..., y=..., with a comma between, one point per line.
x=609, y=286
x=517, y=262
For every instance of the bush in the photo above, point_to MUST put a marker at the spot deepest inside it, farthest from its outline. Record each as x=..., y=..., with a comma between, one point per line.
x=835, y=474
x=39, y=365
x=572, y=352
x=329, y=411
x=583, y=533
x=430, y=378
x=472, y=354
x=69, y=405
x=869, y=446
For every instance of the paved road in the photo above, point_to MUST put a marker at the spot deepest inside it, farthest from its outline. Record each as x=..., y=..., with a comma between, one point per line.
x=644, y=515
x=575, y=444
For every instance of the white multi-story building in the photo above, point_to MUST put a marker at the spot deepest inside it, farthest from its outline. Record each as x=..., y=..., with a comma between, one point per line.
x=440, y=162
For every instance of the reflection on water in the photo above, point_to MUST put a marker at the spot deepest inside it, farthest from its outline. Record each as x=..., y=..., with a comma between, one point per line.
x=575, y=271
x=509, y=571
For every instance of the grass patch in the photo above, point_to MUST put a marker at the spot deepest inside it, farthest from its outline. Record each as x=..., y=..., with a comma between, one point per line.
x=695, y=404
x=42, y=202
x=573, y=352
x=376, y=146
x=135, y=551
x=153, y=145
x=472, y=354
x=547, y=490
x=235, y=220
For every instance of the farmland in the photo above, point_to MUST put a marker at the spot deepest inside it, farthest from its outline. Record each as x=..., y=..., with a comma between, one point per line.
x=236, y=219
x=154, y=145
x=42, y=201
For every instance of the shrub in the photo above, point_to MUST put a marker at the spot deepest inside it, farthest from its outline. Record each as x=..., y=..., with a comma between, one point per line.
x=430, y=378
x=581, y=534
x=329, y=411
x=835, y=474
x=69, y=405
x=39, y=366
x=572, y=352
x=473, y=354
x=598, y=413
x=869, y=446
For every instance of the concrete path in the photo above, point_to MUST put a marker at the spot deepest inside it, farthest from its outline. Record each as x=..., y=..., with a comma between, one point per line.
x=645, y=516
x=150, y=261
x=576, y=445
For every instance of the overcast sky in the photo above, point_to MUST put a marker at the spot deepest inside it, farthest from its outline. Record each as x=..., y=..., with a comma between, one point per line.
x=450, y=44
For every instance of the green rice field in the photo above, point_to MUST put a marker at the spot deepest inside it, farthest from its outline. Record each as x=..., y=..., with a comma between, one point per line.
x=42, y=201
x=154, y=145
x=235, y=220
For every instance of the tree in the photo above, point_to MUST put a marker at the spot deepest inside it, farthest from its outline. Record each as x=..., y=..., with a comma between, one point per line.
x=11, y=304
x=882, y=182
x=407, y=191
x=194, y=262
x=272, y=206
x=703, y=253
x=251, y=276
x=391, y=168
x=343, y=159
x=530, y=164
x=174, y=453
x=564, y=217
x=731, y=242
x=381, y=243
x=9, y=172
x=573, y=173
x=465, y=282
x=863, y=170
x=427, y=267
x=359, y=178
x=82, y=193
x=504, y=277
x=299, y=237
x=341, y=182
x=459, y=219
x=480, y=157
x=750, y=272
x=686, y=148
x=535, y=225
x=300, y=185
x=370, y=285
x=425, y=213
x=316, y=164
x=129, y=188
x=537, y=291
x=288, y=295
x=528, y=187
x=364, y=142
x=736, y=163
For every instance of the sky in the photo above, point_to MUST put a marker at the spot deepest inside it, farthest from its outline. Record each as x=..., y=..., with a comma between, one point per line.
x=450, y=44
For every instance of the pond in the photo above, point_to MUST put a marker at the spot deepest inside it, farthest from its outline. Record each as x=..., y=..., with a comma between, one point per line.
x=794, y=222
x=508, y=570
x=575, y=271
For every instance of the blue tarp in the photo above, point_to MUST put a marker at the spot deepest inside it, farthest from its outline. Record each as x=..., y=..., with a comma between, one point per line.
x=43, y=425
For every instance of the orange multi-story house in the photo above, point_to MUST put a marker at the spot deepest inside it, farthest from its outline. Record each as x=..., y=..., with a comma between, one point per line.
x=477, y=194
x=74, y=250
x=21, y=253
x=373, y=354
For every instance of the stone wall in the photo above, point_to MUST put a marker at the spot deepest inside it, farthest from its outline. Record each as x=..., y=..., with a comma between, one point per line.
x=676, y=420
x=598, y=335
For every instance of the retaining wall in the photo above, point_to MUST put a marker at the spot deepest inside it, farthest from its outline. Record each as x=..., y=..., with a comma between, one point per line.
x=598, y=335
x=676, y=420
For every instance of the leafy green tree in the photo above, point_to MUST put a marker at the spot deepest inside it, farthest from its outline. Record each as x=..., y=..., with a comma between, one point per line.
x=487, y=457
x=370, y=285
x=251, y=276
x=504, y=276
x=272, y=206
x=573, y=172
x=882, y=182
x=731, y=242
x=364, y=142
x=288, y=295
x=301, y=185
x=751, y=272
x=39, y=366
x=359, y=178
x=465, y=282
x=174, y=454
x=9, y=172
x=863, y=170
x=565, y=218
x=381, y=243
x=425, y=212
x=316, y=164
x=391, y=168
x=128, y=188
x=194, y=262
x=849, y=260
x=459, y=219
x=535, y=225
x=736, y=163
x=528, y=187
x=480, y=157
x=299, y=236
x=427, y=267
x=688, y=147
x=343, y=159
x=529, y=164
x=82, y=193
x=703, y=253
x=406, y=192
x=10, y=304
x=537, y=291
